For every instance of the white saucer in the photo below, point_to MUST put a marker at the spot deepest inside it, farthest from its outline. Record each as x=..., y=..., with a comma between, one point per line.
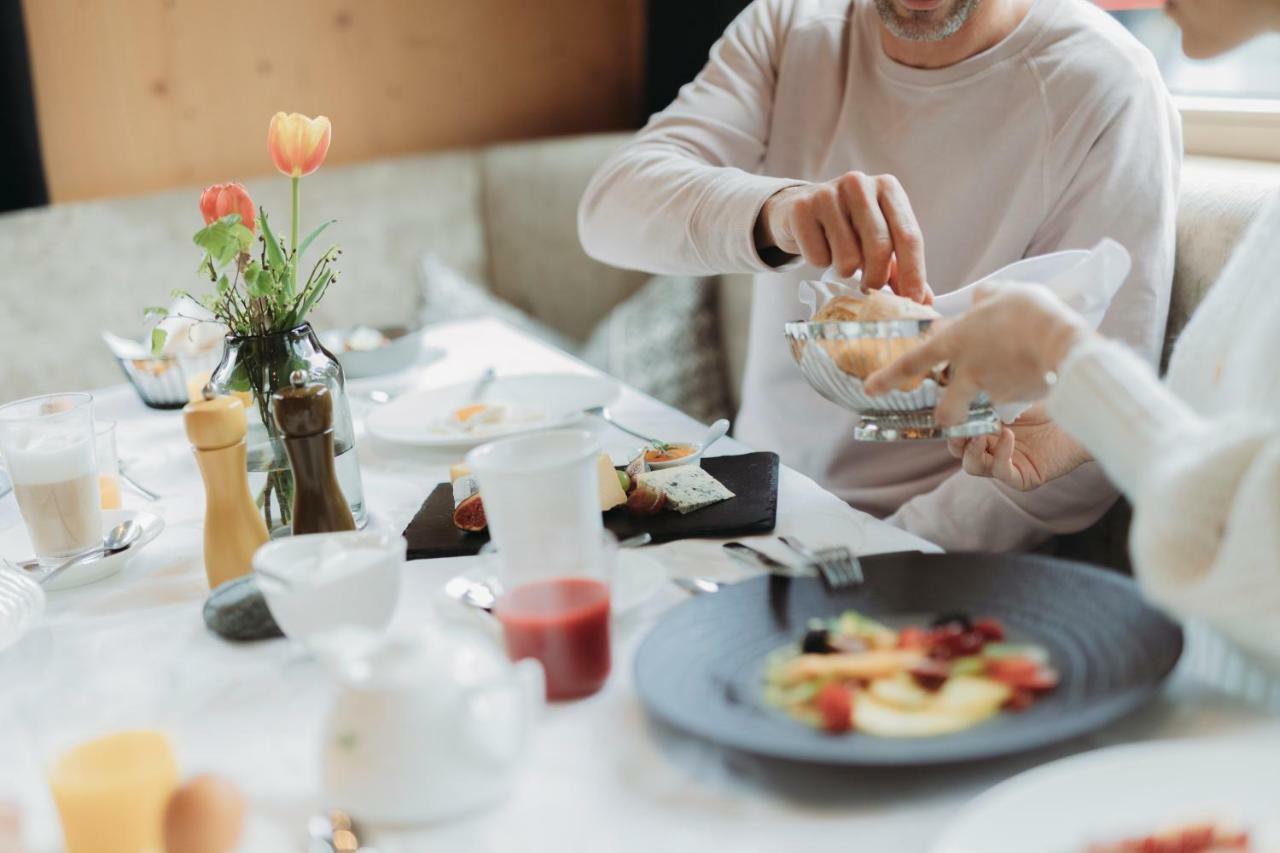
x=547, y=401
x=91, y=570
x=1125, y=792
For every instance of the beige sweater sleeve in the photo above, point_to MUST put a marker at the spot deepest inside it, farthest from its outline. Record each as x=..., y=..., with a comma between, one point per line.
x=682, y=198
x=1115, y=177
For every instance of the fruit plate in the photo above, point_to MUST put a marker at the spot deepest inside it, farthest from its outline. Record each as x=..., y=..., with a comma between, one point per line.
x=1127, y=791
x=701, y=668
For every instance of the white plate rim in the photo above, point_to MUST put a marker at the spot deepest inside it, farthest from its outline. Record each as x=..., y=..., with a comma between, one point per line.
x=378, y=429
x=969, y=831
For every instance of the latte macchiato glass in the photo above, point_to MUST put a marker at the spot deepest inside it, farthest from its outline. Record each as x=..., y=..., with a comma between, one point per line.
x=48, y=445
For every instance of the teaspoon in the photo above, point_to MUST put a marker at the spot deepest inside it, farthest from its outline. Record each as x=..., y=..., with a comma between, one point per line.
x=117, y=539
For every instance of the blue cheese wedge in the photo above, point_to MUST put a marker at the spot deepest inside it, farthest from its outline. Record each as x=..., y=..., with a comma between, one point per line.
x=687, y=487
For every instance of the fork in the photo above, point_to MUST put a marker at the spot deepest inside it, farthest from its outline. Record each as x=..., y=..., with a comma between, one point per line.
x=837, y=565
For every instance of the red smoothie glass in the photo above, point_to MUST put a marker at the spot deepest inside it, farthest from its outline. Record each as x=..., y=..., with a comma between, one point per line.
x=550, y=553
x=560, y=620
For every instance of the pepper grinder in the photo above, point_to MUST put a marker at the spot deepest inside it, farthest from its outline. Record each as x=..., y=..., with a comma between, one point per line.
x=304, y=414
x=233, y=526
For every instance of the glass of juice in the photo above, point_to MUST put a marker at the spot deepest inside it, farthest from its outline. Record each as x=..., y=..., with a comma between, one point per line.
x=551, y=553
x=111, y=792
x=108, y=464
x=559, y=619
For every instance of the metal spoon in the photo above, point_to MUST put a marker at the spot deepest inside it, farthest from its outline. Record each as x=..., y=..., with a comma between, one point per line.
x=697, y=586
x=602, y=412
x=117, y=539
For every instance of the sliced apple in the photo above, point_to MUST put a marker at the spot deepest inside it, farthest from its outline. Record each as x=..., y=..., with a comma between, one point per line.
x=862, y=665
x=962, y=702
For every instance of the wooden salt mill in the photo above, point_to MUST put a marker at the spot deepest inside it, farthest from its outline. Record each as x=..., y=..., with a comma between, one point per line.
x=304, y=414
x=233, y=525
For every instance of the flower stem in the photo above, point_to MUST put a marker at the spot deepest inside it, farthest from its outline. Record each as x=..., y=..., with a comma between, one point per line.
x=293, y=240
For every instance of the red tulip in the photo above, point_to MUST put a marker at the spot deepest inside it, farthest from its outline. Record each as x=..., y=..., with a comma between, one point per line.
x=298, y=144
x=220, y=200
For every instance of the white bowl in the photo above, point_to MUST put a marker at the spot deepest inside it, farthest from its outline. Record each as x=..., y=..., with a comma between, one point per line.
x=694, y=458
x=400, y=351
x=315, y=583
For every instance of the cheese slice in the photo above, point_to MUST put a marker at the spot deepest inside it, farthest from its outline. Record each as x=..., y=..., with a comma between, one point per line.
x=611, y=493
x=687, y=487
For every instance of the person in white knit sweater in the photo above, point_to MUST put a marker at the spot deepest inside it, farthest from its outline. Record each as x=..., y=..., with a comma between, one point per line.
x=1198, y=456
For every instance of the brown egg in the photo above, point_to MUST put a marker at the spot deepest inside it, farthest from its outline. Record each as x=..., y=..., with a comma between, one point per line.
x=206, y=815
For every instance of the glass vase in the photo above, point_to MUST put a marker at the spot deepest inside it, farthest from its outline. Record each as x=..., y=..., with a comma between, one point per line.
x=254, y=367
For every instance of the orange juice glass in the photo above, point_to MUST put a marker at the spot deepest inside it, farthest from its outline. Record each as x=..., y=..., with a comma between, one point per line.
x=108, y=464
x=111, y=792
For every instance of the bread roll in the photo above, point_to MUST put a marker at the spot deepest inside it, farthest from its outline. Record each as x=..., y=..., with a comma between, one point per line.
x=861, y=357
x=872, y=307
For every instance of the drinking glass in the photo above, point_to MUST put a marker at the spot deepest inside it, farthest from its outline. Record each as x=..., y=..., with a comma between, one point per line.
x=541, y=499
x=108, y=464
x=48, y=445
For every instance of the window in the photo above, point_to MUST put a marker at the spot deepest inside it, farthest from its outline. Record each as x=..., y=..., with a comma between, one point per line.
x=1231, y=104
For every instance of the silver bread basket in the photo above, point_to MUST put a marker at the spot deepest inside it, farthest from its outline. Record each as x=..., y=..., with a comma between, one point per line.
x=834, y=358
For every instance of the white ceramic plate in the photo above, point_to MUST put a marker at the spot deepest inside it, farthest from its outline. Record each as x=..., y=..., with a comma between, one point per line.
x=542, y=401
x=1125, y=792
x=17, y=547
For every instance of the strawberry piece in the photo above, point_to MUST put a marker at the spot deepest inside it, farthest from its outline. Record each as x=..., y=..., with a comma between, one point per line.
x=913, y=638
x=835, y=703
x=990, y=629
x=1019, y=700
x=931, y=674
x=1023, y=674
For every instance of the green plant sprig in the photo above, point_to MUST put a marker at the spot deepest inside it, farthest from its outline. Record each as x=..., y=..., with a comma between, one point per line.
x=254, y=296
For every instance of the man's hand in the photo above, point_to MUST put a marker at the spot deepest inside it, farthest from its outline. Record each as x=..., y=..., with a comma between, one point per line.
x=855, y=222
x=1027, y=454
x=1006, y=345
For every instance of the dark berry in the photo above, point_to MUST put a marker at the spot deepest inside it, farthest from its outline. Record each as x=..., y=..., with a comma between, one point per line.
x=817, y=642
x=931, y=674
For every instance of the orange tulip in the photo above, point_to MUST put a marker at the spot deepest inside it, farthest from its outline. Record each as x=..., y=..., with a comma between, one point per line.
x=221, y=199
x=298, y=144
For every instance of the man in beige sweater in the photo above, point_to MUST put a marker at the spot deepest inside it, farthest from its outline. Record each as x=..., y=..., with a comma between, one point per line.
x=925, y=143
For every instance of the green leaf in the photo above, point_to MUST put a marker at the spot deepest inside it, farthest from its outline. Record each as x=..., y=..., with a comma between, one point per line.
x=275, y=256
x=158, y=337
x=155, y=311
x=224, y=239
x=313, y=296
x=223, y=285
x=306, y=242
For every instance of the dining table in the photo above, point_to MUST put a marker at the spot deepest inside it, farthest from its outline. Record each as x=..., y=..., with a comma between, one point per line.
x=599, y=773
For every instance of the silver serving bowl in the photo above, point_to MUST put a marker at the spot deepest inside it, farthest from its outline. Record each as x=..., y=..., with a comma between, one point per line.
x=834, y=357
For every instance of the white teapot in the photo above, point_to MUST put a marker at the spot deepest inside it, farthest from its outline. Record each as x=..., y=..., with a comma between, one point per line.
x=423, y=726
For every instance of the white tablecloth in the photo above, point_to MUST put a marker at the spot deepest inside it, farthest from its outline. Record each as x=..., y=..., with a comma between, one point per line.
x=600, y=776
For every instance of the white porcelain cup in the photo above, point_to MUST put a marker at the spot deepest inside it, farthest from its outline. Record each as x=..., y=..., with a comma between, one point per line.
x=542, y=501
x=325, y=581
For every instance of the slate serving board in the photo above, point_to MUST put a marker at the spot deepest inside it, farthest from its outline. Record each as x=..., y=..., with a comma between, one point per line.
x=752, y=477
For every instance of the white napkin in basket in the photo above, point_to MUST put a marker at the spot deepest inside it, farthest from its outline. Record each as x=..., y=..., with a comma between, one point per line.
x=1085, y=279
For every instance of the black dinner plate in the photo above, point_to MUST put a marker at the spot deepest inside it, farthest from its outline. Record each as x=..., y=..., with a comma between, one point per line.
x=701, y=667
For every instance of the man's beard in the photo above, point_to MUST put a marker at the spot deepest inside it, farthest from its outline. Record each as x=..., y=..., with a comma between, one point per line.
x=919, y=26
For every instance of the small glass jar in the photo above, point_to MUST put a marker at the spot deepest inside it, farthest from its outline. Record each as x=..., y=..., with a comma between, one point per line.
x=253, y=367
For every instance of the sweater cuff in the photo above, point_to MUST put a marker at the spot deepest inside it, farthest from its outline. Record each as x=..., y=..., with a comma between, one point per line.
x=1112, y=402
x=726, y=220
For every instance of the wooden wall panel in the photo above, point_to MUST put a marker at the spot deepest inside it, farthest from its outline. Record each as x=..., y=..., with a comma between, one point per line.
x=136, y=95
